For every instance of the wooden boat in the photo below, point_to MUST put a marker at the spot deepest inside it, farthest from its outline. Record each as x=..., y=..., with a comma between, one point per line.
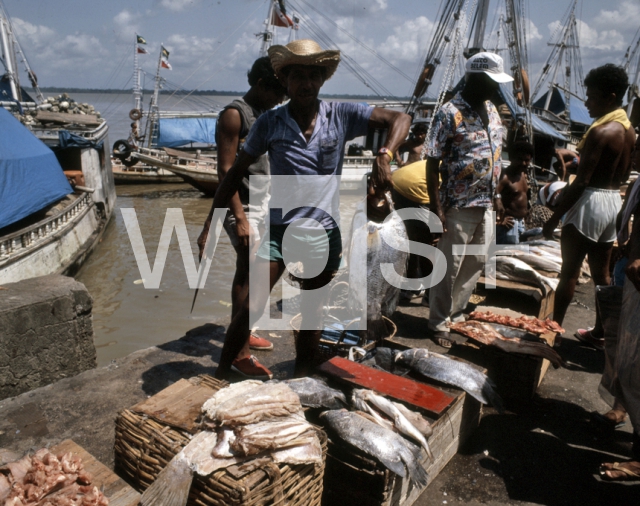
x=49, y=232
x=141, y=174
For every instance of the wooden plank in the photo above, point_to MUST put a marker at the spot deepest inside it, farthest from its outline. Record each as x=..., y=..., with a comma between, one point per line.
x=423, y=396
x=65, y=117
x=115, y=488
x=177, y=405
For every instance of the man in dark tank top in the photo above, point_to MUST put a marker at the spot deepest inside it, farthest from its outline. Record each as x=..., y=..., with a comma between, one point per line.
x=245, y=223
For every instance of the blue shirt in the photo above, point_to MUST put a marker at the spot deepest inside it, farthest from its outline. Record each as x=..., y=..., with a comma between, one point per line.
x=291, y=155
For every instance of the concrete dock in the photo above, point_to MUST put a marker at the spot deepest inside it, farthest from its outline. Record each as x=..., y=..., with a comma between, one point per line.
x=545, y=453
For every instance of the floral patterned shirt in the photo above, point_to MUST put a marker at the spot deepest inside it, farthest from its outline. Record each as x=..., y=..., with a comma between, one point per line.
x=470, y=154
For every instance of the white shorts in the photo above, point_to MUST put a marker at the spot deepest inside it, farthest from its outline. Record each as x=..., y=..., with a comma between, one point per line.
x=594, y=215
x=255, y=217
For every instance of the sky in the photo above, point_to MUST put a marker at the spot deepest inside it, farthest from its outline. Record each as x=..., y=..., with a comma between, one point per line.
x=212, y=43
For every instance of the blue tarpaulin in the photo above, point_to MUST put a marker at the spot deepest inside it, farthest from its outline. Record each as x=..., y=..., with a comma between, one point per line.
x=538, y=124
x=30, y=176
x=69, y=140
x=175, y=132
x=577, y=109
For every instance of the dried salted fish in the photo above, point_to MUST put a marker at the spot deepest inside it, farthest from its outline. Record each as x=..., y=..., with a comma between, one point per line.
x=261, y=402
x=269, y=435
x=309, y=453
x=222, y=449
x=390, y=449
x=227, y=393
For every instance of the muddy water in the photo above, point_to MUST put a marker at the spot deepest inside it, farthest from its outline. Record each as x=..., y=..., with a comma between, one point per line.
x=126, y=316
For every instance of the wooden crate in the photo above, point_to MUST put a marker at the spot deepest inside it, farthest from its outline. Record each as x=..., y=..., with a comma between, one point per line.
x=353, y=478
x=544, y=302
x=113, y=487
x=152, y=432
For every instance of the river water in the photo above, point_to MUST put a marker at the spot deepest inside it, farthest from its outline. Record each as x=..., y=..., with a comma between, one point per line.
x=126, y=316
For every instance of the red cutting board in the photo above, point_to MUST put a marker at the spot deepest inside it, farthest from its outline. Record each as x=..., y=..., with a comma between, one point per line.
x=421, y=395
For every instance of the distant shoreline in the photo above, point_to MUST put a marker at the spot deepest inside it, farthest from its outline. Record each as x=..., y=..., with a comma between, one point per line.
x=54, y=89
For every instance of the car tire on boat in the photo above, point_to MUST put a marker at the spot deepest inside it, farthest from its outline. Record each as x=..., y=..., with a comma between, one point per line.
x=122, y=151
x=135, y=114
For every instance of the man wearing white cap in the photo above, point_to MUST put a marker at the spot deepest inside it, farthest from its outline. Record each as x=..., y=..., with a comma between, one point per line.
x=464, y=149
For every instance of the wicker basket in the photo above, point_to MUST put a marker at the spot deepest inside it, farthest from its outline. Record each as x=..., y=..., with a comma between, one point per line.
x=144, y=446
x=329, y=349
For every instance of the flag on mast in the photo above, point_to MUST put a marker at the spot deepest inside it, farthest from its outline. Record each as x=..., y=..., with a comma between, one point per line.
x=140, y=39
x=165, y=53
x=280, y=17
x=142, y=50
x=164, y=63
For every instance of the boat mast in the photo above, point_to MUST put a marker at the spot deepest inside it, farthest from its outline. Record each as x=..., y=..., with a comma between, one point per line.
x=480, y=25
x=8, y=56
x=154, y=111
x=137, y=85
x=632, y=56
x=267, y=35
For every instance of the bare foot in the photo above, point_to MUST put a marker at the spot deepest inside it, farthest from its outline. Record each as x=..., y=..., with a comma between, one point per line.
x=616, y=416
x=620, y=471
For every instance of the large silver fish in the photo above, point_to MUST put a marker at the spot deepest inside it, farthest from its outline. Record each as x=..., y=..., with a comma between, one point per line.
x=371, y=296
x=317, y=394
x=537, y=261
x=390, y=449
x=516, y=270
x=366, y=399
x=452, y=372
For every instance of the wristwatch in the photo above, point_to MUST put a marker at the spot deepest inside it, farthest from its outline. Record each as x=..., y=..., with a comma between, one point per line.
x=497, y=196
x=385, y=151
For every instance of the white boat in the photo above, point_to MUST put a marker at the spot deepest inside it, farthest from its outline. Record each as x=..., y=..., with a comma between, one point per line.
x=40, y=236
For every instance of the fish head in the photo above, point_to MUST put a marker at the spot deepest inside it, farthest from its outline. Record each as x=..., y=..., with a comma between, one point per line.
x=410, y=357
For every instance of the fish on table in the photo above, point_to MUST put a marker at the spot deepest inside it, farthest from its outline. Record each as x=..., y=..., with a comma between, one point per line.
x=486, y=334
x=384, y=243
x=511, y=268
x=452, y=372
x=390, y=449
x=315, y=393
x=364, y=400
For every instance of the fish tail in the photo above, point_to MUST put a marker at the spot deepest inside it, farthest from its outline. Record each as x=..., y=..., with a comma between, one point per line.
x=417, y=473
x=494, y=398
x=171, y=487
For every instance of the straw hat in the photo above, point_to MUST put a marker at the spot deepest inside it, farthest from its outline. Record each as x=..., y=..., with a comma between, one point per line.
x=304, y=52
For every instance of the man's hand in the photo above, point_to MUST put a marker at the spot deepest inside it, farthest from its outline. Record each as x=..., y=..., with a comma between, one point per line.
x=244, y=232
x=202, y=239
x=549, y=227
x=507, y=221
x=633, y=273
x=381, y=176
x=499, y=208
x=437, y=210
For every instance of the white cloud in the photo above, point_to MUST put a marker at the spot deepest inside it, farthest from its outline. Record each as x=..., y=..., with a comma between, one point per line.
x=177, y=5
x=35, y=34
x=126, y=25
x=626, y=16
x=409, y=40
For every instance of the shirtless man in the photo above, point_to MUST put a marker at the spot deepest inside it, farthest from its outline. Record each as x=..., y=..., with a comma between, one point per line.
x=514, y=189
x=413, y=146
x=566, y=164
x=592, y=201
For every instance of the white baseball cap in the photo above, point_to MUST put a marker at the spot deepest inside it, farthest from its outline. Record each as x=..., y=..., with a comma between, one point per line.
x=490, y=64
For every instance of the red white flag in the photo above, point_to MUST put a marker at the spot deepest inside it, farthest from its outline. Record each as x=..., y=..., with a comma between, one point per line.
x=164, y=63
x=279, y=17
x=142, y=50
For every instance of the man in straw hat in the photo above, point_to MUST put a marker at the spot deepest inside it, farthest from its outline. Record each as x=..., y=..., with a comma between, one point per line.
x=306, y=137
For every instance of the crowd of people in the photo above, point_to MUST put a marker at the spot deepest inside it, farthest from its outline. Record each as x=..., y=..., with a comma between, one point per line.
x=450, y=167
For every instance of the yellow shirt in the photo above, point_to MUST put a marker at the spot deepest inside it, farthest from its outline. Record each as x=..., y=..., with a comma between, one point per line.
x=410, y=181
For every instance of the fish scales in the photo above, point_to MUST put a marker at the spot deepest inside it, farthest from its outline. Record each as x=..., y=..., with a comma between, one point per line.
x=452, y=372
x=390, y=449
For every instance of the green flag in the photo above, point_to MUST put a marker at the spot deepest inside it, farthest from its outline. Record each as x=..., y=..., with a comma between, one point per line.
x=140, y=39
x=165, y=53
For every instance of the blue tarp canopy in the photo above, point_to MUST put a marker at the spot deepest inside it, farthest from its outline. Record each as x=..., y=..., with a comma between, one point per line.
x=539, y=125
x=577, y=109
x=30, y=176
x=175, y=132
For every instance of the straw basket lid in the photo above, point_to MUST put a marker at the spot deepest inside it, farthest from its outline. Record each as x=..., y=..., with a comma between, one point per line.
x=304, y=52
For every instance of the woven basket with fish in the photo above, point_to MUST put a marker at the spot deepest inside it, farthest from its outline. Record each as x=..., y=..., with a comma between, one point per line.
x=151, y=434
